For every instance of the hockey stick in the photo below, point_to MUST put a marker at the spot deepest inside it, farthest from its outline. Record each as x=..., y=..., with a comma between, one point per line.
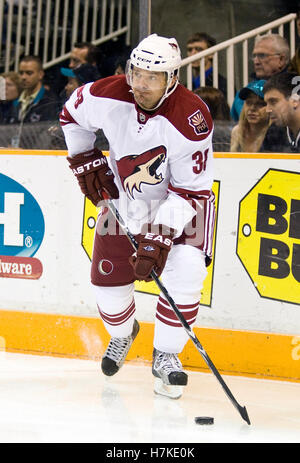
x=186, y=326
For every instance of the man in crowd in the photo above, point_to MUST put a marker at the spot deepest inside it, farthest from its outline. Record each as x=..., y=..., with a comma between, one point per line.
x=197, y=42
x=78, y=76
x=271, y=55
x=281, y=94
x=35, y=103
x=84, y=53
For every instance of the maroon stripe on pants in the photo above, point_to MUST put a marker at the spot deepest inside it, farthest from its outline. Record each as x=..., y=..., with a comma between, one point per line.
x=119, y=318
x=166, y=314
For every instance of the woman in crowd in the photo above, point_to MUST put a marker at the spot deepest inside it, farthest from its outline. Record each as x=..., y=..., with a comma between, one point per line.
x=247, y=136
x=12, y=93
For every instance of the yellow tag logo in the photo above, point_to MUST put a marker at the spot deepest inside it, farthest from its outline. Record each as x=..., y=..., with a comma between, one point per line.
x=269, y=235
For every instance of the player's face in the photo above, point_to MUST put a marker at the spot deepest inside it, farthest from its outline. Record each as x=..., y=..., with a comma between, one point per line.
x=278, y=107
x=30, y=74
x=255, y=109
x=148, y=87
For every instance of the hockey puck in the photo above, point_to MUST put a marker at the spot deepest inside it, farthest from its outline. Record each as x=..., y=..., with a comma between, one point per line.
x=204, y=420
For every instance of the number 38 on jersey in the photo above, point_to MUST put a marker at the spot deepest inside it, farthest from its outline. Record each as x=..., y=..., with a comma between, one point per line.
x=200, y=160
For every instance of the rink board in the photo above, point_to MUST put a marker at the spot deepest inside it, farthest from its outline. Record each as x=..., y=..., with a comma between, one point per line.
x=249, y=316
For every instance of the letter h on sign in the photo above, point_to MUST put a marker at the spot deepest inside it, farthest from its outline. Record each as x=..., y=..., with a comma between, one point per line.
x=10, y=218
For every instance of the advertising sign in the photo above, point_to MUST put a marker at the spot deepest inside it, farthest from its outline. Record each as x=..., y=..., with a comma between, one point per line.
x=22, y=230
x=268, y=242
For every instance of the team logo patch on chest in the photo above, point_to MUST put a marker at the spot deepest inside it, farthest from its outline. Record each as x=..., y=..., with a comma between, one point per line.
x=138, y=169
x=198, y=122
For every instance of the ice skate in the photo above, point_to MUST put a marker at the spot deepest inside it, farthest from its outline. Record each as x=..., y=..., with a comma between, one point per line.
x=169, y=376
x=116, y=352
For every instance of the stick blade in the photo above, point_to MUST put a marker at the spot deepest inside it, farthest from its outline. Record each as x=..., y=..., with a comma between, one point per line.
x=244, y=414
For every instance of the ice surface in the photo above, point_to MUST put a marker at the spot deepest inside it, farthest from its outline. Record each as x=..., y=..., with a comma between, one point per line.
x=48, y=399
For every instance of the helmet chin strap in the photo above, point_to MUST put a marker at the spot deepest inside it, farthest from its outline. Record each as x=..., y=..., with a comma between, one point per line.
x=167, y=93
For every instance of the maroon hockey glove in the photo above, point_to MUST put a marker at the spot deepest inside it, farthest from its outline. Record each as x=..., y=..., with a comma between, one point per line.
x=152, y=253
x=93, y=175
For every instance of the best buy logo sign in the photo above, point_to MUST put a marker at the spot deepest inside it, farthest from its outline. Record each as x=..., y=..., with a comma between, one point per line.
x=269, y=235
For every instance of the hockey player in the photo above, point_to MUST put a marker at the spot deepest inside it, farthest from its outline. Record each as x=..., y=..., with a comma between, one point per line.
x=159, y=173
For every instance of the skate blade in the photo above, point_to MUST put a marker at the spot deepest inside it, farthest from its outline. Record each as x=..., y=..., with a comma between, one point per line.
x=173, y=392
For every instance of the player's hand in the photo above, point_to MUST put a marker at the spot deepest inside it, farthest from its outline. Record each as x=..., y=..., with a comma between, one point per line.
x=93, y=175
x=152, y=253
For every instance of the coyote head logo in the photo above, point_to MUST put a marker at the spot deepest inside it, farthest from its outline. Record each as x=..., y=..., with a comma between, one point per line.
x=136, y=169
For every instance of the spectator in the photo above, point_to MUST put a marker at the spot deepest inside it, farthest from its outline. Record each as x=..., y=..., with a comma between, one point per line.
x=12, y=92
x=248, y=135
x=84, y=53
x=114, y=52
x=35, y=103
x=215, y=101
x=78, y=76
x=70, y=86
x=120, y=65
x=81, y=53
x=220, y=113
x=283, y=107
x=271, y=54
x=198, y=42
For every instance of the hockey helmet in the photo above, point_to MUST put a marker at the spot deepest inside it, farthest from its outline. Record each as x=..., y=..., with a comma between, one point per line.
x=156, y=54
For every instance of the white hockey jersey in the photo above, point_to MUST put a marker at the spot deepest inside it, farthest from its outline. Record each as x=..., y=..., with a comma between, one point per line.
x=162, y=161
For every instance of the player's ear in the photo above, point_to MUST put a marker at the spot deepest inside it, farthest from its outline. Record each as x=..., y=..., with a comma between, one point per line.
x=295, y=99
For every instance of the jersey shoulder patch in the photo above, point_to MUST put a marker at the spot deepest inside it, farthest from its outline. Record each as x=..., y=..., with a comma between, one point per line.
x=189, y=114
x=114, y=87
